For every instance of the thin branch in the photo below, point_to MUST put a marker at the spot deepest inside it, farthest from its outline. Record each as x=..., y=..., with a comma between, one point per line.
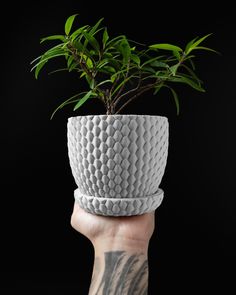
x=122, y=87
x=113, y=85
x=80, y=61
x=142, y=90
x=117, y=100
x=101, y=98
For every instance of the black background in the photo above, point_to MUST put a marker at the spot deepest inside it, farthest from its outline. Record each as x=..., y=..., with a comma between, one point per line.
x=193, y=248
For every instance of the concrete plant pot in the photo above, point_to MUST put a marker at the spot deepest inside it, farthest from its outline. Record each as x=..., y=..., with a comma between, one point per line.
x=118, y=162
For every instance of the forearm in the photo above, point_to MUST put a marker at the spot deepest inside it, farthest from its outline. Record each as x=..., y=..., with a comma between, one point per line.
x=120, y=268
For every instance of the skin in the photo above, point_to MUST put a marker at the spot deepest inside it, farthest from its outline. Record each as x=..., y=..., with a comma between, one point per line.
x=121, y=246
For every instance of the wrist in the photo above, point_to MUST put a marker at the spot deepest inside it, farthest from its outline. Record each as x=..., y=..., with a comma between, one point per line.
x=120, y=244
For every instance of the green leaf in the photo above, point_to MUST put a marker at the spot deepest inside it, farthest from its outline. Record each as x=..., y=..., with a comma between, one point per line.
x=38, y=68
x=92, y=41
x=135, y=42
x=177, y=54
x=122, y=83
x=192, y=63
x=107, y=55
x=165, y=75
x=135, y=58
x=125, y=50
x=105, y=38
x=58, y=46
x=53, y=37
x=149, y=69
x=37, y=58
x=58, y=70
x=196, y=43
x=65, y=103
x=104, y=62
x=189, y=44
x=115, y=40
x=44, y=59
x=191, y=72
x=65, y=44
x=78, y=32
x=94, y=28
x=159, y=64
x=184, y=79
x=166, y=46
x=83, y=100
x=74, y=66
x=114, y=77
x=92, y=52
x=79, y=46
x=69, y=61
x=90, y=81
x=175, y=96
x=109, y=69
x=205, y=48
x=157, y=89
x=174, y=69
x=82, y=75
x=193, y=84
x=104, y=82
x=153, y=60
x=87, y=60
x=121, y=72
x=47, y=57
x=69, y=23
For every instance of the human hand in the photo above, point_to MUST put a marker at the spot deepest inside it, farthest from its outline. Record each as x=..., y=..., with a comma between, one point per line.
x=97, y=228
x=123, y=239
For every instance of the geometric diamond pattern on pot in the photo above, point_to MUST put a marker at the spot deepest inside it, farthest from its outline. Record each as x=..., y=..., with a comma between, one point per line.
x=120, y=157
x=117, y=207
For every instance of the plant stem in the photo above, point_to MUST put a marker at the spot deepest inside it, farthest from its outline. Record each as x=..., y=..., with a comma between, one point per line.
x=122, y=87
x=142, y=90
x=117, y=100
x=80, y=61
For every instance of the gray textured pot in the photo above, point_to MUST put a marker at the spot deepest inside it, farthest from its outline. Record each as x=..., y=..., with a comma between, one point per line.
x=118, y=162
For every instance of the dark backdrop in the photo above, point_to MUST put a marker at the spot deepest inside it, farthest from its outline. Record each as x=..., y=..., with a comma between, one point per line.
x=193, y=248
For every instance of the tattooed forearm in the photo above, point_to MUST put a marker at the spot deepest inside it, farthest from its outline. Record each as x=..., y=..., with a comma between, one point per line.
x=120, y=273
x=96, y=270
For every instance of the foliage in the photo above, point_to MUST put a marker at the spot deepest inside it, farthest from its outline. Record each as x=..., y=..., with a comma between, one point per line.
x=118, y=70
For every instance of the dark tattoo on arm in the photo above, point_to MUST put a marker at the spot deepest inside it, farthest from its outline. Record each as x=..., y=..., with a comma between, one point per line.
x=124, y=274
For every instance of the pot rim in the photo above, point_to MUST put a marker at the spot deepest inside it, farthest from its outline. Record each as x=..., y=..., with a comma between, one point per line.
x=118, y=115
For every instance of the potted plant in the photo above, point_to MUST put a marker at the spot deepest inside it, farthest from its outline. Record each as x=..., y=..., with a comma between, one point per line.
x=118, y=160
